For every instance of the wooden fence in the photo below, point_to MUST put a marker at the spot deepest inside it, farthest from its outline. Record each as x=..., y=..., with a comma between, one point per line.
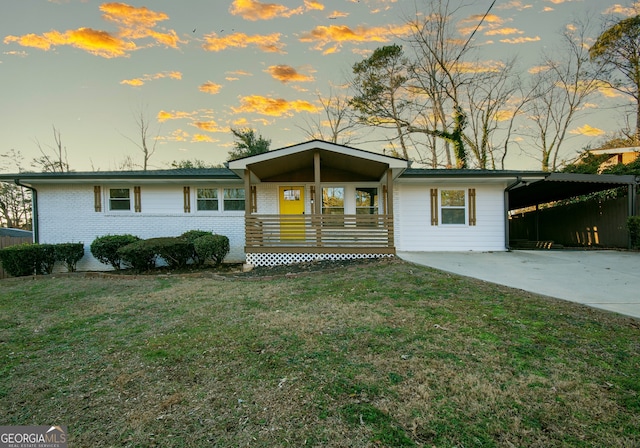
x=6, y=241
x=596, y=223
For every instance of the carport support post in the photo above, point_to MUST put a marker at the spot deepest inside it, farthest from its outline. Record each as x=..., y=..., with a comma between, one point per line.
x=632, y=198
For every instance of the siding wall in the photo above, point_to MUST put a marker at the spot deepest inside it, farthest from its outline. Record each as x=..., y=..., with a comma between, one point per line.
x=66, y=215
x=414, y=232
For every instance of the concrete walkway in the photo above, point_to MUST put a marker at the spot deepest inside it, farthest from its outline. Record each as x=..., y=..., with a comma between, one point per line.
x=605, y=279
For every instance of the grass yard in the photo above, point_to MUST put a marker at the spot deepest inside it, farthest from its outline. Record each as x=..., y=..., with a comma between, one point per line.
x=372, y=354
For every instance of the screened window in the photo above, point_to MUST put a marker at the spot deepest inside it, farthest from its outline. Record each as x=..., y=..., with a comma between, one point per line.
x=119, y=199
x=452, y=206
x=366, y=201
x=207, y=199
x=333, y=200
x=234, y=199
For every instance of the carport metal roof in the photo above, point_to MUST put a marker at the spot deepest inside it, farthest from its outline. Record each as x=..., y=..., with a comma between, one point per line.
x=559, y=186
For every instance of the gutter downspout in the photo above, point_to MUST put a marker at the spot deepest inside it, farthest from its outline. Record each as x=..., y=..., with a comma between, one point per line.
x=510, y=187
x=34, y=210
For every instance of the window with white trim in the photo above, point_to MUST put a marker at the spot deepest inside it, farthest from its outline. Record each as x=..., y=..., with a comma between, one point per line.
x=453, y=206
x=119, y=199
x=207, y=199
x=453, y=209
x=234, y=199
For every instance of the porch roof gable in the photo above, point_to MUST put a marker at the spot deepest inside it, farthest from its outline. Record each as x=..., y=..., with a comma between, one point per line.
x=291, y=162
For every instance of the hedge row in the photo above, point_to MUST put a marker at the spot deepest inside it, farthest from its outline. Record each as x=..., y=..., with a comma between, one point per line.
x=195, y=246
x=27, y=259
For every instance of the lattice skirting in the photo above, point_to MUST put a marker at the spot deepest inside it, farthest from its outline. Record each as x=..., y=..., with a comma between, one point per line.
x=265, y=259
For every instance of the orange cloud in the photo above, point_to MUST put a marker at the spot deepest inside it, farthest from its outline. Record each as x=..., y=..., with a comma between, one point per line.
x=587, y=130
x=210, y=87
x=133, y=23
x=520, y=40
x=136, y=82
x=201, y=138
x=286, y=73
x=254, y=10
x=269, y=43
x=137, y=23
x=338, y=34
x=480, y=66
x=99, y=43
x=338, y=14
x=624, y=10
x=503, y=32
x=275, y=107
x=514, y=4
x=209, y=126
x=312, y=4
x=538, y=69
x=164, y=115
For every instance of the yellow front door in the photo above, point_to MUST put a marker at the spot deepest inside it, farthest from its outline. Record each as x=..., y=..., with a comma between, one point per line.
x=292, y=204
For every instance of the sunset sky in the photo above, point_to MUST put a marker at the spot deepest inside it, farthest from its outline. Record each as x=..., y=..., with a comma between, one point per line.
x=195, y=68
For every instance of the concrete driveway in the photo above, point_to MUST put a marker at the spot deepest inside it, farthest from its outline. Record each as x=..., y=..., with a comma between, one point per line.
x=605, y=279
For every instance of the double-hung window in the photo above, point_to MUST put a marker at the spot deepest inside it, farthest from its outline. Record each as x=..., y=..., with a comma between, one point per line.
x=207, y=199
x=453, y=209
x=453, y=206
x=219, y=199
x=119, y=199
x=234, y=199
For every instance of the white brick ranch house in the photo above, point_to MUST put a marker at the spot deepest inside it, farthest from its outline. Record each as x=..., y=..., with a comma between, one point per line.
x=314, y=200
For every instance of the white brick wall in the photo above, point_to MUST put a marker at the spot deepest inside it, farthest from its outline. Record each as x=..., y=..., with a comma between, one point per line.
x=67, y=215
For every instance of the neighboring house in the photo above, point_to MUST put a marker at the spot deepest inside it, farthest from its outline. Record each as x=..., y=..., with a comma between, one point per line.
x=617, y=156
x=314, y=200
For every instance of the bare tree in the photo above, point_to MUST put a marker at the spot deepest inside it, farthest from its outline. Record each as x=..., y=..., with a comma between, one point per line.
x=438, y=76
x=146, y=144
x=494, y=99
x=53, y=159
x=560, y=91
x=335, y=123
x=15, y=200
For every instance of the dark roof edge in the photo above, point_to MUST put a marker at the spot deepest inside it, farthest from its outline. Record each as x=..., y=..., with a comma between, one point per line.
x=595, y=178
x=431, y=173
x=195, y=173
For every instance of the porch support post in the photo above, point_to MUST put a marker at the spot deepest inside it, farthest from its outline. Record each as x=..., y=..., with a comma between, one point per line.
x=390, y=225
x=248, y=197
x=316, y=219
x=317, y=206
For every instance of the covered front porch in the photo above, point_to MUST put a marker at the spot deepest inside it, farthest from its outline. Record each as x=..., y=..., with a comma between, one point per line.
x=333, y=202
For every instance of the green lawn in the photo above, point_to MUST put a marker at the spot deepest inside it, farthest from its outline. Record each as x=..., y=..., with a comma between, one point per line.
x=374, y=354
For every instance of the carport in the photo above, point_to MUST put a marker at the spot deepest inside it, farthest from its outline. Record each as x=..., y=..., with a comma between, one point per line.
x=561, y=186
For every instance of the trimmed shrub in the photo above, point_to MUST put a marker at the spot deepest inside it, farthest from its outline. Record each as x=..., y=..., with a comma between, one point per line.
x=212, y=247
x=175, y=251
x=70, y=254
x=191, y=236
x=27, y=259
x=19, y=260
x=45, y=258
x=139, y=255
x=633, y=224
x=105, y=248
